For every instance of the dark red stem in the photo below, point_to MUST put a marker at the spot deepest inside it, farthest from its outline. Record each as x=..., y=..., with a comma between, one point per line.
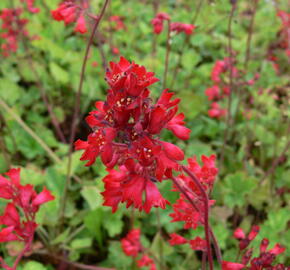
x=206, y=214
x=167, y=55
x=215, y=243
x=77, y=109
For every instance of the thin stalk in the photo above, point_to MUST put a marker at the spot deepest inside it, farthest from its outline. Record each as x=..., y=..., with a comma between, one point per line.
x=229, y=108
x=44, y=97
x=161, y=262
x=184, y=46
x=77, y=110
x=51, y=154
x=203, y=263
x=215, y=243
x=206, y=214
x=154, y=40
x=73, y=264
x=167, y=55
x=250, y=35
x=275, y=163
x=21, y=254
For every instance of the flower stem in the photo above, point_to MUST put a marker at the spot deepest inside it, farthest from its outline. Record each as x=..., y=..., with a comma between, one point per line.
x=206, y=214
x=167, y=55
x=215, y=243
x=76, y=112
x=231, y=86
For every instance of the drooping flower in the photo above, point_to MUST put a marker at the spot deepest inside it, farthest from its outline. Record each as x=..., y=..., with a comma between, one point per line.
x=176, y=239
x=13, y=27
x=132, y=247
x=19, y=214
x=70, y=12
x=131, y=243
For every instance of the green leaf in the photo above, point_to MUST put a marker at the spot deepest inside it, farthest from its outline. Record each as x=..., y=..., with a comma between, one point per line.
x=92, y=195
x=93, y=222
x=9, y=91
x=81, y=243
x=58, y=73
x=32, y=265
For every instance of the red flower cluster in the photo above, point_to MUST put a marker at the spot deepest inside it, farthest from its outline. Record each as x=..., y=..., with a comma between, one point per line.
x=178, y=27
x=131, y=246
x=157, y=22
x=13, y=29
x=285, y=31
x=24, y=201
x=118, y=23
x=183, y=210
x=70, y=12
x=30, y=6
x=195, y=244
x=125, y=133
x=220, y=88
x=265, y=259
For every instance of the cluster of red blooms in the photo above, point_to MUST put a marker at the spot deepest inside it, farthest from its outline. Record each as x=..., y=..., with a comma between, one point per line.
x=132, y=247
x=265, y=259
x=183, y=210
x=25, y=200
x=30, y=6
x=71, y=12
x=125, y=133
x=13, y=29
x=195, y=244
x=220, y=88
x=177, y=27
x=285, y=31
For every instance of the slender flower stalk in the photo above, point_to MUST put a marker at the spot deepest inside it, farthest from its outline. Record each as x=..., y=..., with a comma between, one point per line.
x=206, y=214
x=168, y=46
x=231, y=86
x=77, y=110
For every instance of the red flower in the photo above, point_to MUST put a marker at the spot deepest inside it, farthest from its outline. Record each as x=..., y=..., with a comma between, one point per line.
x=157, y=22
x=70, y=12
x=213, y=93
x=198, y=244
x=13, y=27
x=124, y=186
x=126, y=130
x=232, y=266
x=30, y=6
x=239, y=234
x=81, y=25
x=145, y=261
x=131, y=243
x=216, y=111
x=182, y=27
x=182, y=208
x=24, y=200
x=176, y=239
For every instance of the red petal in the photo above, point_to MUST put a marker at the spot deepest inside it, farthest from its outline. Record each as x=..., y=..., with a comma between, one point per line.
x=172, y=151
x=43, y=197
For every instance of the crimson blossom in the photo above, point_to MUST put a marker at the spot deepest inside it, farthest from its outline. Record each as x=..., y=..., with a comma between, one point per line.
x=71, y=12
x=30, y=6
x=132, y=247
x=265, y=259
x=126, y=129
x=19, y=214
x=178, y=27
x=13, y=27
